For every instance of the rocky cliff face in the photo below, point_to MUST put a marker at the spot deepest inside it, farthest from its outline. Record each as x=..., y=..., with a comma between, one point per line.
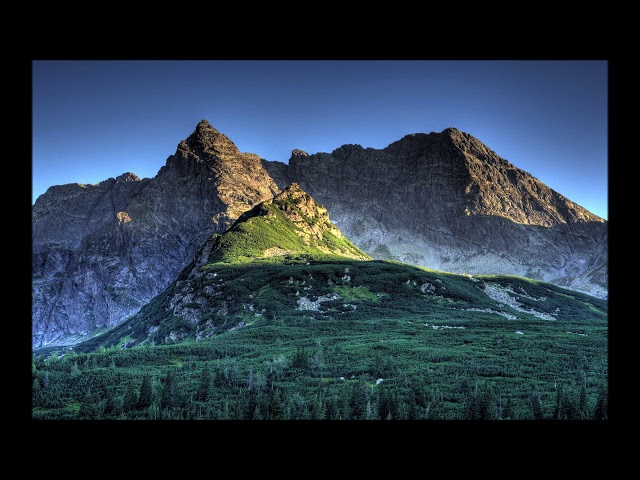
x=269, y=242
x=442, y=200
x=102, y=251
x=446, y=201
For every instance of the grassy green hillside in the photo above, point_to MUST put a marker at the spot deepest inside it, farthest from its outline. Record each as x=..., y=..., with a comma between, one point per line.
x=289, y=223
x=281, y=317
x=224, y=297
x=442, y=346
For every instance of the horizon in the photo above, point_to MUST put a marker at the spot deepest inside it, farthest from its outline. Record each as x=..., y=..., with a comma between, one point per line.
x=547, y=118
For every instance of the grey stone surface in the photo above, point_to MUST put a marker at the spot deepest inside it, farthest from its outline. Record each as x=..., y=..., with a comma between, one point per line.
x=441, y=200
x=446, y=201
x=102, y=251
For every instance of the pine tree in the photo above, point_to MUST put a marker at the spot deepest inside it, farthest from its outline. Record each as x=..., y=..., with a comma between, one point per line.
x=332, y=408
x=471, y=405
x=536, y=406
x=300, y=359
x=36, y=393
x=358, y=402
x=601, y=412
x=368, y=412
x=169, y=395
x=251, y=404
x=75, y=371
x=559, y=411
x=130, y=398
x=204, y=389
x=110, y=407
x=146, y=393
x=508, y=409
x=322, y=411
x=582, y=405
x=486, y=404
x=250, y=380
x=257, y=413
x=384, y=404
x=276, y=409
x=86, y=408
x=570, y=409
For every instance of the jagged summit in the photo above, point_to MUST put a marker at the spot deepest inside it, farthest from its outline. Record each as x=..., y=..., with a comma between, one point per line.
x=237, y=179
x=290, y=223
x=206, y=140
x=127, y=177
x=299, y=153
x=480, y=182
x=445, y=200
x=292, y=191
x=442, y=200
x=146, y=230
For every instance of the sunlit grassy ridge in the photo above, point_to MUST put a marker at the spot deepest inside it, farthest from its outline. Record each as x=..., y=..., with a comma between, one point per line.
x=290, y=223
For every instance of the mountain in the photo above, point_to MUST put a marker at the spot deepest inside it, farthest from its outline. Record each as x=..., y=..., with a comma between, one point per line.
x=282, y=317
x=102, y=251
x=284, y=258
x=327, y=337
x=289, y=228
x=291, y=223
x=446, y=201
x=442, y=200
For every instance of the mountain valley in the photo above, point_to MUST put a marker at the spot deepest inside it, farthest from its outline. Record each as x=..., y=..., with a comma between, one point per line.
x=444, y=201
x=223, y=289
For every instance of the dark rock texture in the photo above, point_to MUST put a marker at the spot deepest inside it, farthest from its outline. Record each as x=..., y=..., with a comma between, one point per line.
x=446, y=201
x=442, y=200
x=102, y=251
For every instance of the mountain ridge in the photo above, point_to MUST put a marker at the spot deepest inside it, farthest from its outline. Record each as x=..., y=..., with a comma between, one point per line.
x=284, y=258
x=102, y=251
x=446, y=201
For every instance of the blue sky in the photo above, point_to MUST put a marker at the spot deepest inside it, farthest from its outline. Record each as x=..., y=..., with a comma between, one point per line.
x=97, y=119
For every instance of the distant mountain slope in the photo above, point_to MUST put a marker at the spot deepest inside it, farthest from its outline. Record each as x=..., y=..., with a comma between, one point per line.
x=284, y=258
x=446, y=201
x=441, y=200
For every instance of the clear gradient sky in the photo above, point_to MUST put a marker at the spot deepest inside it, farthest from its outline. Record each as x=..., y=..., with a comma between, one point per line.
x=95, y=120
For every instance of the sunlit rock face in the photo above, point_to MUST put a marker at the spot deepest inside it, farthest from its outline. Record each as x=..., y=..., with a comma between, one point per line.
x=446, y=201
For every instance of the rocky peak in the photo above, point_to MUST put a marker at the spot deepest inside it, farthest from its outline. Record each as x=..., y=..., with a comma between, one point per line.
x=146, y=231
x=453, y=132
x=445, y=200
x=471, y=145
x=293, y=191
x=127, y=177
x=296, y=204
x=207, y=141
x=348, y=150
x=291, y=222
x=299, y=153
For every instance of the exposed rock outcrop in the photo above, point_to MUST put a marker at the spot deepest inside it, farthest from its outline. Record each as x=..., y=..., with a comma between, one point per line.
x=446, y=201
x=441, y=200
x=102, y=251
